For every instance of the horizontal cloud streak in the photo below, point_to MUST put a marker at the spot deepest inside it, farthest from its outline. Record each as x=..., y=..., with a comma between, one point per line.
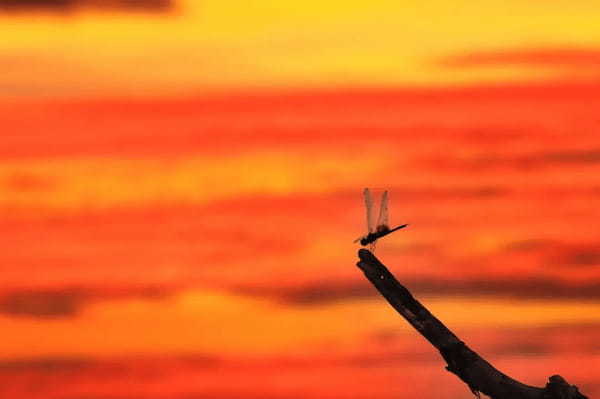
x=68, y=302
x=41, y=303
x=49, y=365
x=213, y=125
x=534, y=288
x=72, y=5
x=552, y=57
x=316, y=375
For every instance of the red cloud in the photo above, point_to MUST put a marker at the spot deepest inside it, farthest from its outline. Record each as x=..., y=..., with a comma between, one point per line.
x=557, y=57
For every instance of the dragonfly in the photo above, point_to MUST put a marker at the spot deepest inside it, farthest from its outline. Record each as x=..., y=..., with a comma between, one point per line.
x=382, y=228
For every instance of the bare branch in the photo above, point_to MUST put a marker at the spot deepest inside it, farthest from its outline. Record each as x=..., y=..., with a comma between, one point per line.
x=471, y=368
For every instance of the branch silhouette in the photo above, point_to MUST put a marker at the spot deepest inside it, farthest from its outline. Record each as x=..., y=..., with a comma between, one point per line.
x=472, y=369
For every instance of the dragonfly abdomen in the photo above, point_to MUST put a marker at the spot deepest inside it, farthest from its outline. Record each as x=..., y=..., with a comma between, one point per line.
x=372, y=237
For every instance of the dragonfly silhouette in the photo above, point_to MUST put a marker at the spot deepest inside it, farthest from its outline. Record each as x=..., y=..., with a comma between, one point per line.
x=382, y=229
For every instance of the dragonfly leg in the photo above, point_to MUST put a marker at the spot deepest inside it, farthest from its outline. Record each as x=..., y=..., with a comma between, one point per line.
x=372, y=246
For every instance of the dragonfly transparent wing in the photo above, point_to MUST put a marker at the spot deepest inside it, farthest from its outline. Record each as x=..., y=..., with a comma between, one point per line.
x=383, y=210
x=370, y=210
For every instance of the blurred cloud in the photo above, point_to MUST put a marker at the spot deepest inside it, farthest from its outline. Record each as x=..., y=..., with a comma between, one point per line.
x=578, y=255
x=70, y=5
x=538, y=341
x=503, y=342
x=68, y=302
x=514, y=288
x=319, y=293
x=28, y=4
x=42, y=303
x=27, y=182
x=558, y=253
x=47, y=365
x=553, y=57
x=562, y=63
x=568, y=157
x=392, y=358
x=586, y=258
x=583, y=157
x=313, y=294
x=520, y=348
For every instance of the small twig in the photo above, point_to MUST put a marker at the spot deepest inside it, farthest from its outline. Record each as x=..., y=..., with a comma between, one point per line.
x=471, y=368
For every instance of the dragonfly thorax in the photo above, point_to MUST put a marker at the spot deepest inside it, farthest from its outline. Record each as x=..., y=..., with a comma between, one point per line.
x=382, y=228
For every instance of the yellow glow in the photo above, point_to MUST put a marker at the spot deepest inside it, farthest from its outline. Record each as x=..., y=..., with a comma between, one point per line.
x=73, y=184
x=220, y=324
x=212, y=44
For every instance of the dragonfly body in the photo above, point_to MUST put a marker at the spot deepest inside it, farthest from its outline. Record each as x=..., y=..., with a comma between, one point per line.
x=381, y=229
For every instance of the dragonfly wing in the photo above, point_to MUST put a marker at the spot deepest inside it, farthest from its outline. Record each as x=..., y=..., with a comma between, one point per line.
x=383, y=210
x=370, y=210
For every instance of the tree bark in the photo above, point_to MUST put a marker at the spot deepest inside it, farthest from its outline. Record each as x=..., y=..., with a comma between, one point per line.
x=472, y=369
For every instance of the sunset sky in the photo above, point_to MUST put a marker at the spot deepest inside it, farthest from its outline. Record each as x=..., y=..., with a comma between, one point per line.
x=180, y=188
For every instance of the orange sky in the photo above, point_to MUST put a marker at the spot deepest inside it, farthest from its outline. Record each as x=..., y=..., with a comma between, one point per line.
x=179, y=194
